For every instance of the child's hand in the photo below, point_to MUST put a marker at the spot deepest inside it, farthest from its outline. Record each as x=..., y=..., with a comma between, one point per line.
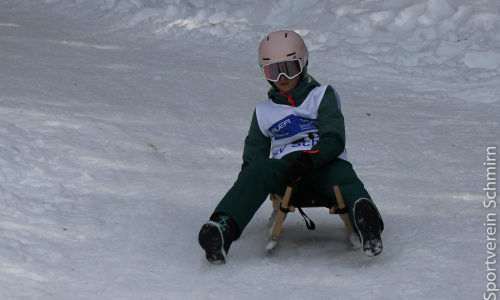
x=301, y=170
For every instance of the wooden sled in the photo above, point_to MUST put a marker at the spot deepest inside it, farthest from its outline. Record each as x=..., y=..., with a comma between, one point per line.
x=283, y=205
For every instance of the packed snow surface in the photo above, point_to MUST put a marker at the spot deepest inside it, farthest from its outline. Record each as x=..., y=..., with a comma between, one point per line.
x=122, y=125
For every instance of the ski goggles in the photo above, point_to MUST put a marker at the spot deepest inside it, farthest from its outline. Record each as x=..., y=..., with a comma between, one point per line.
x=289, y=68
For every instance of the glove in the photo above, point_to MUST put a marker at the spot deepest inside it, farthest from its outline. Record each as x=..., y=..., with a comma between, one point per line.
x=301, y=169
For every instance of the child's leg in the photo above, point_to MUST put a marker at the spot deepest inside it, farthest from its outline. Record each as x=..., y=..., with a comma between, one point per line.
x=341, y=173
x=251, y=189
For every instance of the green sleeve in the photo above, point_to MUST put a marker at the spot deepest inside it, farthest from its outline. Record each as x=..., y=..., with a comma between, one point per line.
x=257, y=145
x=331, y=130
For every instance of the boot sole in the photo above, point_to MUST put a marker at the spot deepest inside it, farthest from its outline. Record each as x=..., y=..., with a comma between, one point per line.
x=212, y=241
x=368, y=223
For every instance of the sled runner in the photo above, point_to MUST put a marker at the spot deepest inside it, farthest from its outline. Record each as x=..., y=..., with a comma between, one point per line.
x=282, y=205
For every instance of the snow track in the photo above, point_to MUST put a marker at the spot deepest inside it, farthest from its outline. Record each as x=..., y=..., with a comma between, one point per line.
x=122, y=124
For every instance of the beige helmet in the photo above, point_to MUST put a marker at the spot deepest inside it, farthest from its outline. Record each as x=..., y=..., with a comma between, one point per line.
x=281, y=46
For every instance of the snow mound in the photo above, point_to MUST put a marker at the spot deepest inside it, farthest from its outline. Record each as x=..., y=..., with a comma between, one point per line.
x=448, y=37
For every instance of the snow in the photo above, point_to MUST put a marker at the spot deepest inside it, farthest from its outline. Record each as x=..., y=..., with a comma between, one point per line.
x=122, y=125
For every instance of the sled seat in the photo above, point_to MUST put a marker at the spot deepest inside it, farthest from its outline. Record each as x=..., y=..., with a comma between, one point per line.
x=306, y=199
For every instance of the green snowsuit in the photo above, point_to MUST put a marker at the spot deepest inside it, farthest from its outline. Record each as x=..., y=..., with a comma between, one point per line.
x=261, y=175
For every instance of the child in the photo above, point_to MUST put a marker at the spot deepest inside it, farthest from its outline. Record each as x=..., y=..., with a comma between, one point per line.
x=302, y=129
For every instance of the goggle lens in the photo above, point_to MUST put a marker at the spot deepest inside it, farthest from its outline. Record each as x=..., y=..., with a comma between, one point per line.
x=289, y=68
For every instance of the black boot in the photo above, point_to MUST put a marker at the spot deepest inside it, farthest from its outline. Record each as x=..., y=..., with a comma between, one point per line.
x=215, y=238
x=369, y=225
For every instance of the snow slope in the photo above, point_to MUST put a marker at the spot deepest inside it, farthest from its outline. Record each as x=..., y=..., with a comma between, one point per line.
x=122, y=124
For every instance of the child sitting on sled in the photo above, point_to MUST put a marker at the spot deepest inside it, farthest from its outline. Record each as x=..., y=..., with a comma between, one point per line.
x=296, y=138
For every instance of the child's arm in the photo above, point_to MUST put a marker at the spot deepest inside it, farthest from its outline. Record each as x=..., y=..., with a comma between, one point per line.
x=257, y=145
x=331, y=130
